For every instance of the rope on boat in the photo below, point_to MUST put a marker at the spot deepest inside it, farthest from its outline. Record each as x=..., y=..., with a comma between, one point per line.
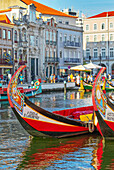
x=91, y=126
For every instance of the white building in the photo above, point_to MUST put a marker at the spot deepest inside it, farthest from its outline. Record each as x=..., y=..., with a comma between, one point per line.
x=98, y=40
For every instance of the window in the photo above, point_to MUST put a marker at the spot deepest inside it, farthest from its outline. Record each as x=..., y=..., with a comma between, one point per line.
x=87, y=38
x=15, y=55
x=74, y=38
x=24, y=35
x=50, y=35
x=60, y=54
x=36, y=41
x=0, y=33
x=103, y=37
x=70, y=38
x=78, y=39
x=95, y=38
x=32, y=40
x=47, y=38
x=95, y=26
x=103, y=52
x=111, y=52
x=4, y=34
x=95, y=53
x=111, y=25
x=111, y=37
x=4, y=50
x=60, y=37
x=65, y=38
x=60, y=21
x=54, y=53
x=46, y=53
x=103, y=26
x=37, y=66
x=67, y=23
x=54, y=36
x=9, y=35
x=51, y=53
x=15, y=36
x=9, y=52
x=87, y=27
x=87, y=53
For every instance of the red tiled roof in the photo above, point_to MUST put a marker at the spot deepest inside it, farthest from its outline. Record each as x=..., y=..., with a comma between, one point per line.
x=6, y=10
x=4, y=19
x=45, y=9
x=103, y=14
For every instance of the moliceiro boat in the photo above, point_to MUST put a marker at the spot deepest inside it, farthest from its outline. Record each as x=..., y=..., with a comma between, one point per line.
x=107, y=85
x=29, y=92
x=40, y=122
x=104, y=109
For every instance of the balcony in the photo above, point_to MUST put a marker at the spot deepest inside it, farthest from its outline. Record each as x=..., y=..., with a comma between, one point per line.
x=5, y=62
x=23, y=43
x=103, y=58
x=72, y=60
x=52, y=59
x=71, y=44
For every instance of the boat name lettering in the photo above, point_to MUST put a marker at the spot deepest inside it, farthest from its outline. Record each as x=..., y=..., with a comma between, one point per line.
x=31, y=114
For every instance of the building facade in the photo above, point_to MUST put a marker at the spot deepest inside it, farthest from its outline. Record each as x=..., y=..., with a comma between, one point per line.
x=6, y=46
x=98, y=40
x=48, y=41
x=70, y=49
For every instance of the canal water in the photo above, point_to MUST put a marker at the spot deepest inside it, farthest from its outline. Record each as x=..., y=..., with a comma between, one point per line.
x=18, y=150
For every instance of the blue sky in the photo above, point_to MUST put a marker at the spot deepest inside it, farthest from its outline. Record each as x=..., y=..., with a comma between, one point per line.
x=88, y=7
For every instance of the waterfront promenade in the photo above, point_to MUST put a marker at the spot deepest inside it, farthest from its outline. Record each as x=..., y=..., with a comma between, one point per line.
x=46, y=87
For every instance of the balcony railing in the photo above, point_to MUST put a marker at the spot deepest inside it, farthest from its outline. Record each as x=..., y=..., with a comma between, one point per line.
x=52, y=59
x=103, y=58
x=5, y=61
x=72, y=60
x=71, y=44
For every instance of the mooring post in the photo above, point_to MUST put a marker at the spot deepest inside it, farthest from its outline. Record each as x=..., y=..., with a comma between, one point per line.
x=64, y=89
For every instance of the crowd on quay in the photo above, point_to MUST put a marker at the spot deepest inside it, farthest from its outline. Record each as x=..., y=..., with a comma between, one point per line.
x=87, y=77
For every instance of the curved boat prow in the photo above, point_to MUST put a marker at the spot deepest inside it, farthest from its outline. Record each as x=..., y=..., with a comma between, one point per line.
x=104, y=109
x=12, y=92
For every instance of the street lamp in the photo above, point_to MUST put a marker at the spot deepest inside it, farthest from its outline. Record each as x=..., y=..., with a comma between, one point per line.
x=100, y=59
x=89, y=58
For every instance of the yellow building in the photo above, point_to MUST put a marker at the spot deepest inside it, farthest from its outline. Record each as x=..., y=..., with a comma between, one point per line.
x=5, y=4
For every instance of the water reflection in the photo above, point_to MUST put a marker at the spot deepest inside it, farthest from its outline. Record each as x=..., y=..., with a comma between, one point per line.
x=48, y=153
x=18, y=151
x=82, y=152
x=55, y=100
